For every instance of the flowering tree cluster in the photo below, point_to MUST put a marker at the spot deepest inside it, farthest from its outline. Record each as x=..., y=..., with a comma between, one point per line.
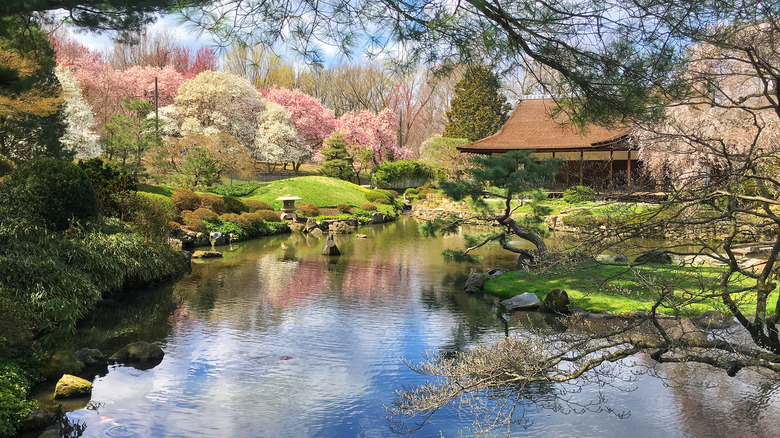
x=277, y=139
x=731, y=117
x=80, y=136
x=313, y=121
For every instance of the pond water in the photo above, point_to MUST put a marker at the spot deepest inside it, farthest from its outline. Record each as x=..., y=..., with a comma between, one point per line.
x=275, y=340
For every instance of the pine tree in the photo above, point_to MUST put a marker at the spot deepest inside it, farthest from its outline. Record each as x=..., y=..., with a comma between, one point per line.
x=336, y=162
x=478, y=109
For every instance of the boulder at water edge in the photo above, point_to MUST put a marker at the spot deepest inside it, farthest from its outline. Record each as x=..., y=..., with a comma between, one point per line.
x=72, y=387
x=496, y=272
x=91, y=357
x=217, y=238
x=377, y=217
x=608, y=258
x=138, y=352
x=311, y=224
x=475, y=282
x=206, y=254
x=556, y=301
x=658, y=256
x=526, y=301
x=316, y=233
x=330, y=249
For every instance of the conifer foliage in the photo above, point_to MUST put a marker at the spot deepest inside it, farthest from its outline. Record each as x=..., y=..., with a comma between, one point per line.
x=478, y=109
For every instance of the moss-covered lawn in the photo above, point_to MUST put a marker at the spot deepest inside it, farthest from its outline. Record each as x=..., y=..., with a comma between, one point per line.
x=318, y=190
x=616, y=288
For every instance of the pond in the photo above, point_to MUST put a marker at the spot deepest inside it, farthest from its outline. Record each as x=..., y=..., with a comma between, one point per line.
x=275, y=340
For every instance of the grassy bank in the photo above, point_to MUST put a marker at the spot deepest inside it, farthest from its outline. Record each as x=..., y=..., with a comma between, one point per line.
x=317, y=190
x=616, y=288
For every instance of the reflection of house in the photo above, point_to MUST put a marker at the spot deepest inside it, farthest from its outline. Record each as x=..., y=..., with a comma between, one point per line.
x=596, y=157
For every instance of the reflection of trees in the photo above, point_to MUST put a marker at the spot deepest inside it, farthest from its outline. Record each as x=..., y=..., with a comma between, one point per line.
x=749, y=401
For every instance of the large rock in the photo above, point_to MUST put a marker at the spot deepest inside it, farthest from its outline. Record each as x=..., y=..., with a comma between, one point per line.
x=341, y=227
x=330, y=248
x=475, y=282
x=526, y=301
x=311, y=225
x=316, y=233
x=556, y=301
x=72, y=387
x=297, y=227
x=377, y=217
x=658, y=256
x=206, y=254
x=191, y=238
x=217, y=238
x=713, y=319
x=91, y=357
x=138, y=352
x=608, y=258
x=496, y=272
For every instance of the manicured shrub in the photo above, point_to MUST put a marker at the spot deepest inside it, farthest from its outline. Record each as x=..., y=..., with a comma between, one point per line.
x=255, y=205
x=174, y=225
x=193, y=222
x=309, y=210
x=235, y=205
x=394, y=193
x=206, y=214
x=268, y=215
x=185, y=199
x=579, y=194
x=213, y=203
x=253, y=219
x=411, y=191
x=373, y=195
x=48, y=192
x=236, y=219
x=382, y=201
x=344, y=208
x=368, y=207
x=152, y=214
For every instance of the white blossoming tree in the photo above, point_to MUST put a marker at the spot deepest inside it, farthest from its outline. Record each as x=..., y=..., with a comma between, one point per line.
x=79, y=136
x=277, y=140
x=213, y=103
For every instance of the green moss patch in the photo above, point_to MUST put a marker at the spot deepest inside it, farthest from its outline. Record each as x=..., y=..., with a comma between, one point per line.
x=318, y=190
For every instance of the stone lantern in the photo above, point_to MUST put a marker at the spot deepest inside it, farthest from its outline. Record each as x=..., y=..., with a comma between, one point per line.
x=288, y=209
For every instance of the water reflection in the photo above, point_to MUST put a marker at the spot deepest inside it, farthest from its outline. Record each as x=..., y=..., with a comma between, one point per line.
x=275, y=339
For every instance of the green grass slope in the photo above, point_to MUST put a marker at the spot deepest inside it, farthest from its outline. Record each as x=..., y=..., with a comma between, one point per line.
x=318, y=190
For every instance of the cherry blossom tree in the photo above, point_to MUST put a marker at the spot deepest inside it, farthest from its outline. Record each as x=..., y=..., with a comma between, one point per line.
x=80, y=136
x=731, y=118
x=313, y=121
x=277, y=140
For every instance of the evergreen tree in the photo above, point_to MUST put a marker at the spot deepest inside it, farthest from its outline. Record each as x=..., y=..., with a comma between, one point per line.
x=131, y=136
x=478, y=109
x=336, y=162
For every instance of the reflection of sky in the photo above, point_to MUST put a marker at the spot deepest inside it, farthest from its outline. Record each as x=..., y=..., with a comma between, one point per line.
x=293, y=348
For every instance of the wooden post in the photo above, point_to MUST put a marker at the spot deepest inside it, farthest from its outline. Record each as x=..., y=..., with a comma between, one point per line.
x=582, y=161
x=611, y=184
x=628, y=168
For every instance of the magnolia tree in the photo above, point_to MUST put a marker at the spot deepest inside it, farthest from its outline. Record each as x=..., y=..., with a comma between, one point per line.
x=277, y=140
x=371, y=139
x=213, y=103
x=80, y=136
x=313, y=121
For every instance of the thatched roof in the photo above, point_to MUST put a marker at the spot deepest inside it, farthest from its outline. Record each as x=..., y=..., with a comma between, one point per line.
x=531, y=126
